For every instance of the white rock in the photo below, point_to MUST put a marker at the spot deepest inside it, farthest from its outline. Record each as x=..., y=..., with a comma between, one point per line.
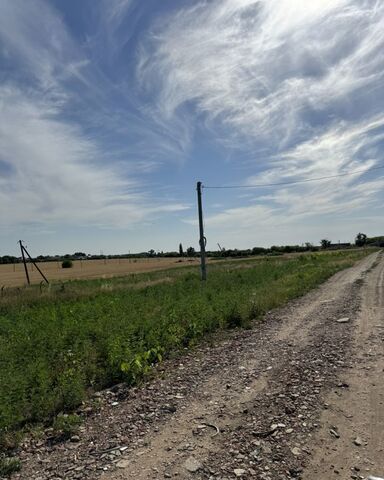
x=239, y=472
x=343, y=320
x=192, y=465
x=358, y=441
x=296, y=451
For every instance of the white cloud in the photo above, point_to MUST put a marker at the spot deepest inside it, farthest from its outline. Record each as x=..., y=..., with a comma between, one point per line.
x=299, y=82
x=255, y=65
x=51, y=170
x=341, y=149
x=54, y=172
x=39, y=43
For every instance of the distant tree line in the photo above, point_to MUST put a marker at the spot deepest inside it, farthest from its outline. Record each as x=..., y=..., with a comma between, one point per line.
x=361, y=240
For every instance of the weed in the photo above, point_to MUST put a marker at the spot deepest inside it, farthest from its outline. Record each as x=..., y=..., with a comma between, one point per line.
x=9, y=440
x=66, y=425
x=234, y=318
x=9, y=465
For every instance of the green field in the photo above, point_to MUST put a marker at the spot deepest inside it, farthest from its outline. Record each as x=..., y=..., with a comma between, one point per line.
x=58, y=346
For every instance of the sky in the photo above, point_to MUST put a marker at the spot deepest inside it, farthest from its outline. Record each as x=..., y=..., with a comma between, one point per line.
x=112, y=110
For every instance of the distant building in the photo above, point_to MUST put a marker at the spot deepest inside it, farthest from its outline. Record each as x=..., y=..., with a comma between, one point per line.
x=336, y=246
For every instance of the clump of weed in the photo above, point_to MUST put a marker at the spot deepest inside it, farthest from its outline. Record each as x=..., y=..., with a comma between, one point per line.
x=9, y=465
x=141, y=364
x=255, y=311
x=9, y=440
x=234, y=318
x=66, y=425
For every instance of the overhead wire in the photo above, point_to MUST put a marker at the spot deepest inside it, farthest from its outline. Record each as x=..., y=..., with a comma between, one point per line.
x=316, y=179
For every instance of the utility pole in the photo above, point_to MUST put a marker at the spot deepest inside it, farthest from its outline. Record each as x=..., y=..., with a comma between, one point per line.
x=24, y=250
x=25, y=263
x=202, y=240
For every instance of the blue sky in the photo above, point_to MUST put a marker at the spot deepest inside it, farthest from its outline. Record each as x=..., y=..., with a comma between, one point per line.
x=111, y=110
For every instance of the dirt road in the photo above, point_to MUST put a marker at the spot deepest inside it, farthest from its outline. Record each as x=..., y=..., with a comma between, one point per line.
x=299, y=396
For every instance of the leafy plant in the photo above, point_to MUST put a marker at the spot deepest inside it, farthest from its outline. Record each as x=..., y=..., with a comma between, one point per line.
x=141, y=364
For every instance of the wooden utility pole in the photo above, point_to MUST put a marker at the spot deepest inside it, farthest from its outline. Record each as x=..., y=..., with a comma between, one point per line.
x=25, y=263
x=202, y=240
x=24, y=250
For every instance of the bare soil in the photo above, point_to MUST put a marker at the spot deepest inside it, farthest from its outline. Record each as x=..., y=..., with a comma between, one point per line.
x=301, y=395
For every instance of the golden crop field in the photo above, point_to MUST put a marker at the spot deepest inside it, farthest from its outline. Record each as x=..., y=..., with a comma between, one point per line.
x=13, y=275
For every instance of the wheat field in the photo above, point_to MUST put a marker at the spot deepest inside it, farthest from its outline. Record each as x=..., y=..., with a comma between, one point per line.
x=13, y=275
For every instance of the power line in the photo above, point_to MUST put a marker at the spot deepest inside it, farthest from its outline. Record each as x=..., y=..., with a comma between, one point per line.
x=296, y=181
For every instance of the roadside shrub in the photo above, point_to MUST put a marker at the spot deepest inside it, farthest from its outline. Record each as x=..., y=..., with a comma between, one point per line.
x=67, y=264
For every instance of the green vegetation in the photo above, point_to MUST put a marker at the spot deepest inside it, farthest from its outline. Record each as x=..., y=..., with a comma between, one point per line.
x=325, y=243
x=361, y=239
x=9, y=465
x=67, y=264
x=66, y=425
x=57, y=346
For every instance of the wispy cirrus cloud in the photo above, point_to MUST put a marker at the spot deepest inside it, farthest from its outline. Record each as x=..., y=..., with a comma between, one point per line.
x=342, y=149
x=260, y=66
x=52, y=173
x=296, y=86
x=53, y=169
x=38, y=46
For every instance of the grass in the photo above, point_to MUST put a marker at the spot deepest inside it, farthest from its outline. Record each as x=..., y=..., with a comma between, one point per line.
x=9, y=465
x=57, y=347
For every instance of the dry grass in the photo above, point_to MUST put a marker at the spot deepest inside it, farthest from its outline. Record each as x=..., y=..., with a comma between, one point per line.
x=14, y=275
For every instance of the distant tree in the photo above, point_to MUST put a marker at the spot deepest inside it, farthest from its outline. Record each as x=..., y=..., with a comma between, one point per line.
x=308, y=246
x=181, y=251
x=258, y=250
x=361, y=239
x=8, y=259
x=190, y=251
x=325, y=243
x=67, y=264
x=151, y=253
x=378, y=241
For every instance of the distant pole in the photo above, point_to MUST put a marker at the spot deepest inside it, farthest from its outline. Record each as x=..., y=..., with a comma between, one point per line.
x=25, y=263
x=202, y=239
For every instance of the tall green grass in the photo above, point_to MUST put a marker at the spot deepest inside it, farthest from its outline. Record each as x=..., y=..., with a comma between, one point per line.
x=53, y=352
